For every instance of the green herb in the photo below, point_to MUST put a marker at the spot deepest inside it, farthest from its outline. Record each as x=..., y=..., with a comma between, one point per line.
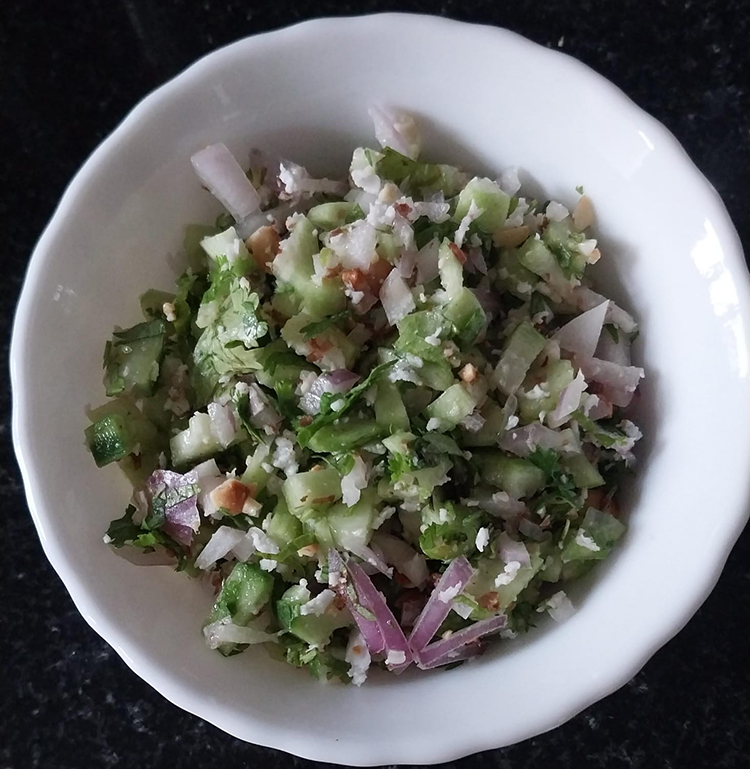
x=305, y=434
x=404, y=171
x=579, y=189
x=317, y=327
x=560, y=493
x=613, y=332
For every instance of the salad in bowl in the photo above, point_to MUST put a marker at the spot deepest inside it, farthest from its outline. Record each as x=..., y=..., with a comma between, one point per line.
x=384, y=416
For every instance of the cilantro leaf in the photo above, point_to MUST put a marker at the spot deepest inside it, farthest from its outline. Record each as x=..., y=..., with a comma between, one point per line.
x=317, y=327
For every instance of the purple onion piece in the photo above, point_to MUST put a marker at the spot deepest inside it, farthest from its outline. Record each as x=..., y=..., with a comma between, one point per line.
x=371, y=598
x=453, y=581
x=459, y=655
x=441, y=652
x=368, y=627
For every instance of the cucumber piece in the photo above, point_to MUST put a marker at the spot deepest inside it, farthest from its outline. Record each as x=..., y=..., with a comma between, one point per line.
x=536, y=257
x=437, y=376
x=293, y=335
x=313, y=629
x=450, y=269
x=117, y=429
x=351, y=527
x=599, y=529
x=524, y=346
x=487, y=571
x=294, y=266
x=513, y=276
x=228, y=245
x=563, y=242
x=390, y=412
x=488, y=197
x=388, y=246
x=109, y=439
x=466, y=315
x=451, y=407
x=254, y=472
x=495, y=419
x=345, y=435
x=307, y=492
x=244, y=593
x=416, y=399
x=197, y=441
x=282, y=527
x=584, y=473
x=132, y=358
x=330, y=216
x=555, y=377
x=518, y=477
x=415, y=329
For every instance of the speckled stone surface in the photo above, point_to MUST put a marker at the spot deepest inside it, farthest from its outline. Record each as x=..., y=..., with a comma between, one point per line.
x=69, y=71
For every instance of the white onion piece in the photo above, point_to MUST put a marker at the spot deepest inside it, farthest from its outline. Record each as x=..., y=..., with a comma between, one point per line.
x=451, y=649
x=296, y=181
x=451, y=583
x=371, y=559
x=224, y=631
x=396, y=298
x=532, y=530
x=225, y=538
x=406, y=264
x=220, y=172
x=569, y=401
x=396, y=130
x=619, y=382
x=354, y=481
x=581, y=335
x=602, y=409
x=434, y=208
x=560, y=607
x=523, y=440
x=427, y=262
x=339, y=381
x=393, y=636
x=355, y=245
x=509, y=182
x=402, y=556
x=509, y=550
x=223, y=424
x=586, y=299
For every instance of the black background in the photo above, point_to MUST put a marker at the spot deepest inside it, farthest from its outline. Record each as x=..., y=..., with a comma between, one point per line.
x=69, y=72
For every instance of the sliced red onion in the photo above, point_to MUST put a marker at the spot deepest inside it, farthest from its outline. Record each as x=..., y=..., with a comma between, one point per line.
x=396, y=298
x=509, y=550
x=619, y=382
x=402, y=556
x=532, y=530
x=614, y=351
x=410, y=611
x=393, y=636
x=523, y=440
x=339, y=381
x=224, y=539
x=453, y=580
x=427, y=262
x=262, y=413
x=406, y=264
x=498, y=503
x=449, y=649
x=354, y=481
x=569, y=401
x=457, y=655
x=476, y=257
x=371, y=558
x=223, y=423
x=367, y=625
x=586, y=299
x=396, y=130
x=177, y=494
x=220, y=172
x=581, y=335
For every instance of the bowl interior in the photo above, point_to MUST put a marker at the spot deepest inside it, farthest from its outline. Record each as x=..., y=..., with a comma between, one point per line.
x=670, y=256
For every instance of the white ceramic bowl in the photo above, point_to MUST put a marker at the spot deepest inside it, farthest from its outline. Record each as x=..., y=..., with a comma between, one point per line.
x=487, y=99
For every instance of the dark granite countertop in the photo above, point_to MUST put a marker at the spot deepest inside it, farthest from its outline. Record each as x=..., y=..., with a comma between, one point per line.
x=68, y=73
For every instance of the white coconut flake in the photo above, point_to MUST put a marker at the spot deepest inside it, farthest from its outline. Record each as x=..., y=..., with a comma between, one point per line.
x=483, y=539
x=395, y=657
x=472, y=214
x=559, y=607
x=509, y=182
x=585, y=541
x=358, y=657
x=318, y=605
x=508, y=574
